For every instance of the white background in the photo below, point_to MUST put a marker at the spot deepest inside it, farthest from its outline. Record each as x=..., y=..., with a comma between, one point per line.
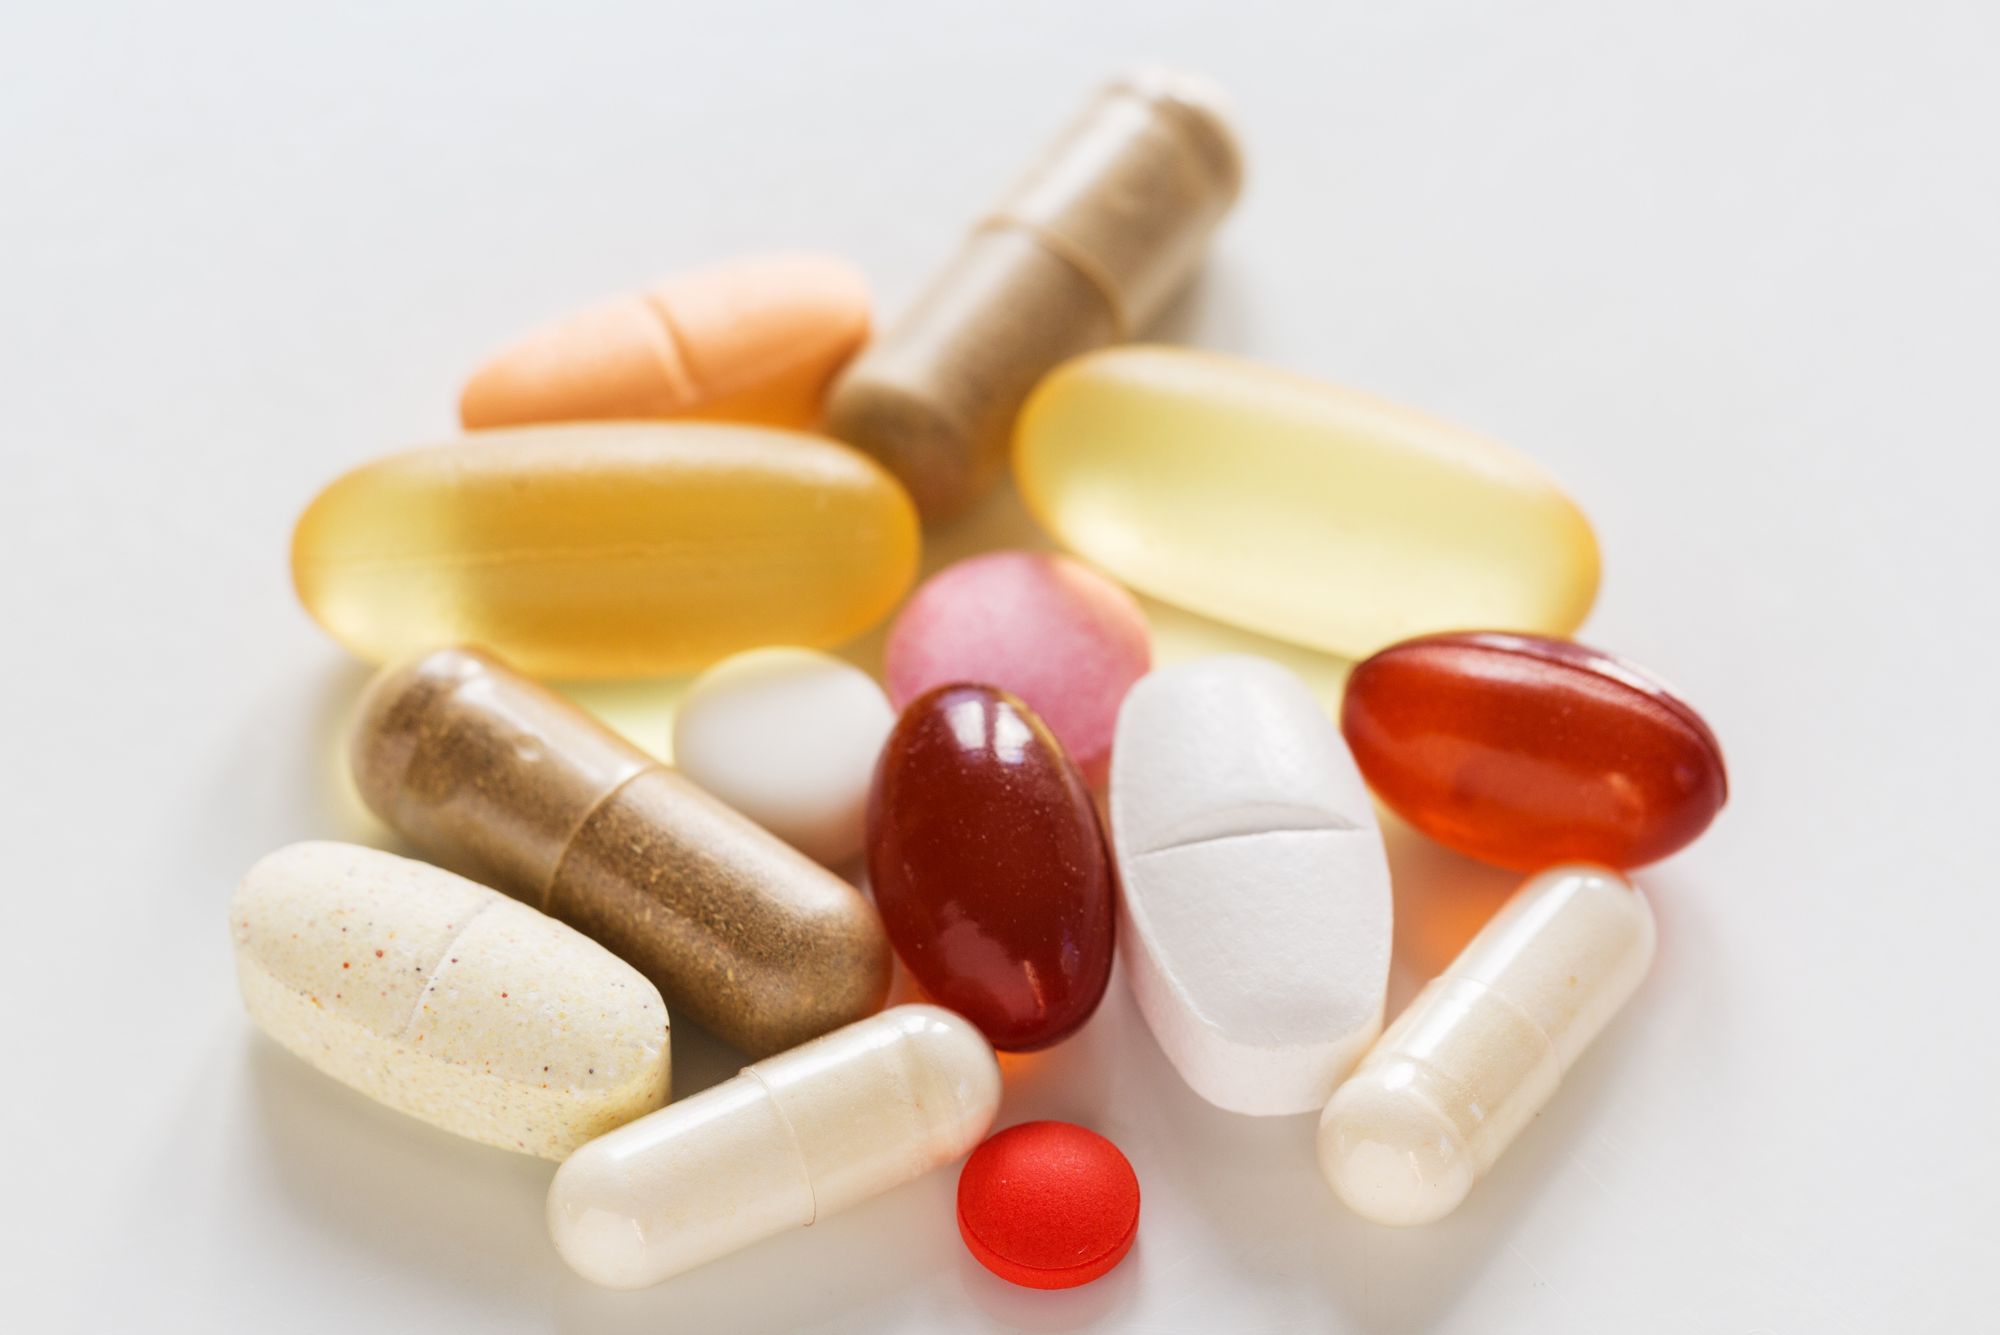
x=1728, y=269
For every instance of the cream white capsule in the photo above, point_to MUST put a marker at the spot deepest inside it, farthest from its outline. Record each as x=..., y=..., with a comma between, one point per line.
x=791, y=1140
x=445, y=999
x=1481, y=1049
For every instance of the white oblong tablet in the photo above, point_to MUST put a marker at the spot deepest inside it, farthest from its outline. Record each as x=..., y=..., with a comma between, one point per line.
x=447, y=1000
x=789, y=738
x=1256, y=907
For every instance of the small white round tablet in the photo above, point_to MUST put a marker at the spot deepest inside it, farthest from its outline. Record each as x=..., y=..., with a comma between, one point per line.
x=789, y=738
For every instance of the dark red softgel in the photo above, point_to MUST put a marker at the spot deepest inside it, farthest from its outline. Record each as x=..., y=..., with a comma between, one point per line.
x=1048, y=1205
x=988, y=865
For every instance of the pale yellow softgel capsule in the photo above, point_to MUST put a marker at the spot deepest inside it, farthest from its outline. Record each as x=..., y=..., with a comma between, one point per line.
x=607, y=550
x=446, y=1000
x=1300, y=510
x=1482, y=1048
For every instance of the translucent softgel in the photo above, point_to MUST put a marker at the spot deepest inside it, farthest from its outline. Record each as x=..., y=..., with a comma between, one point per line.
x=626, y=549
x=1300, y=510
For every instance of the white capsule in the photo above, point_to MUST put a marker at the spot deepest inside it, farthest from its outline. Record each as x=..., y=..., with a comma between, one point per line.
x=1256, y=914
x=446, y=1000
x=789, y=738
x=792, y=1139
x=1483, y=1047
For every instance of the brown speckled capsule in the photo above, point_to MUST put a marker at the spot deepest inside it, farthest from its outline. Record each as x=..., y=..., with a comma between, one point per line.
x=507, y=782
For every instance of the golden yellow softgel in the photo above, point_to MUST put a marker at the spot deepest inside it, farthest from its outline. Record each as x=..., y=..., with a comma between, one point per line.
x=1300, y=510
x=446, y=1000
x=607, y=550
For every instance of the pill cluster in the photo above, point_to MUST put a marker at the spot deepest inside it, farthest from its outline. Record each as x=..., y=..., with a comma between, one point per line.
x=726, y=474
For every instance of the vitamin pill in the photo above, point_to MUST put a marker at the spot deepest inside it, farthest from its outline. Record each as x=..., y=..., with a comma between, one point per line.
x=504, y=780
x=1483, y=1047
x=751, y=340
x=445, y=1000
x=1088, y=248
x=1052, y=631
x=1525, y=752
x=789, y=738
x=1256, y=908
x=989, y=867
x=632, y=549
x=1301, y=511
x=792, y=1140
x=1048, y=1205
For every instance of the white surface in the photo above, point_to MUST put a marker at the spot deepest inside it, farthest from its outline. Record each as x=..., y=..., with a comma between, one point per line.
x=1254, y=916
x=1726, y=268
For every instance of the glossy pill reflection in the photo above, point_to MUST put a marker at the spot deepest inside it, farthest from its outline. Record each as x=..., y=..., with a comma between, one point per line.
x=989, y=867
x=1484, y=1046
x=629, y=549
x=1525, y=752
x=790, y=1141
x=1299, y=510
x=446, y=1000
x=747, y=340
x=1086, y=249
x=510, y=783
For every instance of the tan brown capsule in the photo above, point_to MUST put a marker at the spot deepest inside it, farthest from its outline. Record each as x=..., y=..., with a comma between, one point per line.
x=1094, y=240
x=501, y=779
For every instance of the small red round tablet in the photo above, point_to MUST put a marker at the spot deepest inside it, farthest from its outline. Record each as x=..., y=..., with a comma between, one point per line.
x=1048, y=1205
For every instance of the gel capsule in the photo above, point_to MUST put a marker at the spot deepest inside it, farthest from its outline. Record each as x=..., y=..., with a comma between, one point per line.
x=989, y=868
x=789, y=1141
x=1525, y=752
x=1087, y=248
x=510, y=783
x=445, y=1000
x=1481, y=1049
x=1302, y=511
x=752, y=340
x=632, y=549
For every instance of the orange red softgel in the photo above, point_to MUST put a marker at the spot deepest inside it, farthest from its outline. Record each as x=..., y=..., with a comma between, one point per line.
x=1525, y=752
x=1048, y=1205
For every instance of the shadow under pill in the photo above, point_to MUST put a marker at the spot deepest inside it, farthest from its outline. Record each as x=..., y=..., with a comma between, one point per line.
x=700, y=1059
x=395, y=1191
x=1211, y=312
x=1083, y=1307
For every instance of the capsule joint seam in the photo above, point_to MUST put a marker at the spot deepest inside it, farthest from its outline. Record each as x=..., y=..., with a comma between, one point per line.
x=1059, y=246
x=798, y=1150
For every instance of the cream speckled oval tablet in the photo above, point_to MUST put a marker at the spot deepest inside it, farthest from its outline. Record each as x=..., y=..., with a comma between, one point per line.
x=445, y=999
